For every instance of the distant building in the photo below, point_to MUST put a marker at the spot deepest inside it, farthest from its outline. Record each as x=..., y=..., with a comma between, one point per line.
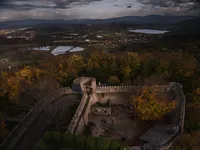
x=99, y=37
x=9, y=37
x=88, y=40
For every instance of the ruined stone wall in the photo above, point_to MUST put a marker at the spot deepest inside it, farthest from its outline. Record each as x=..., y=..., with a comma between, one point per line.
x=80, y=118
x=19, y=130
x=128, y=88
x=114, y=89
x=175, y=87
x=181, y=97
x=77, y=122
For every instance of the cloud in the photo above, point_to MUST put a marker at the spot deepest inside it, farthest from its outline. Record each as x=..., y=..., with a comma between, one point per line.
x=78, y=9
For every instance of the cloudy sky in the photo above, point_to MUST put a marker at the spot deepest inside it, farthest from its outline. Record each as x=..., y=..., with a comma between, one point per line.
x=94, y=9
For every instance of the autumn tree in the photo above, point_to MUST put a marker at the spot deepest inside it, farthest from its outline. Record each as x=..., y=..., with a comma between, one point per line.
x=149, y=65
x=75, y=65
x=183, y=65
x=113, y=80
x=22, y=80
x=129, y=64
x=188, y=141
x=148, y=106
x=101, y=65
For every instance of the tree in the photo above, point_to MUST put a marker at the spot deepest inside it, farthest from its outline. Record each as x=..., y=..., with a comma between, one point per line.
x=150, y=65
x=101, y=65
x=53, y=111
x=23, y=80
x=149, y=107
x=183, y=65
x=3, y=130
x=113, y=80
x=3, y=84
x=188, y=141
x=75, y=65
x=129, y=64
x=14, y=89
x=56, y=140
x=193, y=116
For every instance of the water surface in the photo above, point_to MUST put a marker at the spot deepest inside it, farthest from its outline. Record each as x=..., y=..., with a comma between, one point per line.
x=148, y=31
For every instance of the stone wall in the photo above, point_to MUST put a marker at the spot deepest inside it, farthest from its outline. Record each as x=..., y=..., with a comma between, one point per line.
x=80, y=118
x=77, y=121
x=11, y=140
x=128, y=88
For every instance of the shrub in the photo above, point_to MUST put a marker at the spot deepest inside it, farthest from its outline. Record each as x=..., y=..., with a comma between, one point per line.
x=56, y=140
x=42, y=145
x=103, y=143
x=91, y=143
x=115, y=145
x=48, y=137
x=80, y=142
x=68, y=140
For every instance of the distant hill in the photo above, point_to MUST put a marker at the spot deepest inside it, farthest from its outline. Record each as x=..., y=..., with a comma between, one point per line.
x=191, y=26
x=151, y=19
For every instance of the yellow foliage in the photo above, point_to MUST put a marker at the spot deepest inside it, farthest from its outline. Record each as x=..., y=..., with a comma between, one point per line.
x=113, y=80
x=129, y=62
x=26, y=74
x=149, y=107
x=14, y=88
x=198, y=91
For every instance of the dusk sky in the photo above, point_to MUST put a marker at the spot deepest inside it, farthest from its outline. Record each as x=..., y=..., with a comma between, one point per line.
x=94, y=9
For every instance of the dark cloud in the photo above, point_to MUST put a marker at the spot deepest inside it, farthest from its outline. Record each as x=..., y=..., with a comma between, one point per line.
x=64, y=9
x=191, y=6
x=169, y=3
x=30, y=4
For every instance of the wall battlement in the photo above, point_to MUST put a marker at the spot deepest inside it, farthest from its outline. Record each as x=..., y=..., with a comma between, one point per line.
x=128, y=88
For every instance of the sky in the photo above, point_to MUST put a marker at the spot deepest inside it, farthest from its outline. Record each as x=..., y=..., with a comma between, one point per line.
x=93, y=9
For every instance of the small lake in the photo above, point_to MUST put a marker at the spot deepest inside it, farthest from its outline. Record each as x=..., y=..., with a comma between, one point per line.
x=148, y=31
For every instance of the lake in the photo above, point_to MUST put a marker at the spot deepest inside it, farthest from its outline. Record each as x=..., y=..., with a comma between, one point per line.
x=148, y=31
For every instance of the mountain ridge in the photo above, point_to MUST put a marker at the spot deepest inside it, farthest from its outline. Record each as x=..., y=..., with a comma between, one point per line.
x=151, y=19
